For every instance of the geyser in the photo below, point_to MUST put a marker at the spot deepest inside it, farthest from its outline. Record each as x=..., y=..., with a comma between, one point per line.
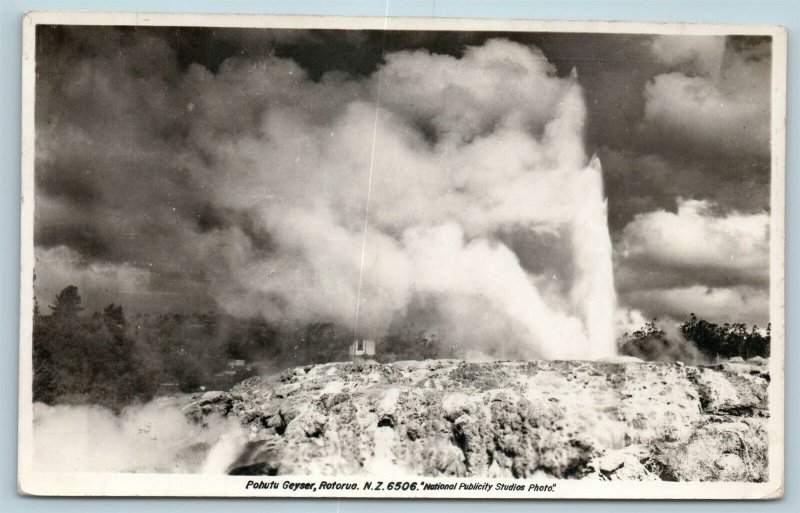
x=465, y=150
x=486, y=221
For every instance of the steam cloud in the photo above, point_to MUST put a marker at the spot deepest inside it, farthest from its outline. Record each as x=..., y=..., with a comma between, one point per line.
x=154, y=437
x=473, y=157
x=456, y=161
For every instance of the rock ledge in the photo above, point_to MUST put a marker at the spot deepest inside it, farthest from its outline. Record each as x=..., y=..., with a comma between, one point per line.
x=577, y=419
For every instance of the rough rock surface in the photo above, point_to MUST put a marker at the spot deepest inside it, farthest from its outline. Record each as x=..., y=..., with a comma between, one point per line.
x=593, y=420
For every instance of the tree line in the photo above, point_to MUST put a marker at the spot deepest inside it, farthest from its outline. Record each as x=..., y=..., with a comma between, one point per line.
x=698, y=341
x=107, y=357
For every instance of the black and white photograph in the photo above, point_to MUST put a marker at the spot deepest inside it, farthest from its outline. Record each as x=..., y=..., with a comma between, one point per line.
x=365, y=257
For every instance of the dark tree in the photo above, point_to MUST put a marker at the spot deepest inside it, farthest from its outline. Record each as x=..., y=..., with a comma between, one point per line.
x=114, y=318
x=67, y=304
x=728, y=340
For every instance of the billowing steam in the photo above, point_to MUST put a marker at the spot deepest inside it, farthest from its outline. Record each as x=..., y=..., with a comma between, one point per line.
x=155, y=437
x=460, y=184
x=457, y=183
x=466, y=161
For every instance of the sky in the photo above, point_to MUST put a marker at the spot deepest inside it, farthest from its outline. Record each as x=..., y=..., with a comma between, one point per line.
x=194, y=169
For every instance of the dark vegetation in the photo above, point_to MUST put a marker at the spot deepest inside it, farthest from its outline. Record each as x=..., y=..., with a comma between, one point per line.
x=697, y=341
x=112, y=359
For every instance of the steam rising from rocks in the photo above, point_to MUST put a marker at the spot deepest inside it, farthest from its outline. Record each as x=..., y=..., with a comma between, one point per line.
x=154, y=437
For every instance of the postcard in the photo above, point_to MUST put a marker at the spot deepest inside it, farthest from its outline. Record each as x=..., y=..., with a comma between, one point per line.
x=319, y=256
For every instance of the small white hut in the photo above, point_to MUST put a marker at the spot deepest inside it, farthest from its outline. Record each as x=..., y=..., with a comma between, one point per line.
x=362, y=349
